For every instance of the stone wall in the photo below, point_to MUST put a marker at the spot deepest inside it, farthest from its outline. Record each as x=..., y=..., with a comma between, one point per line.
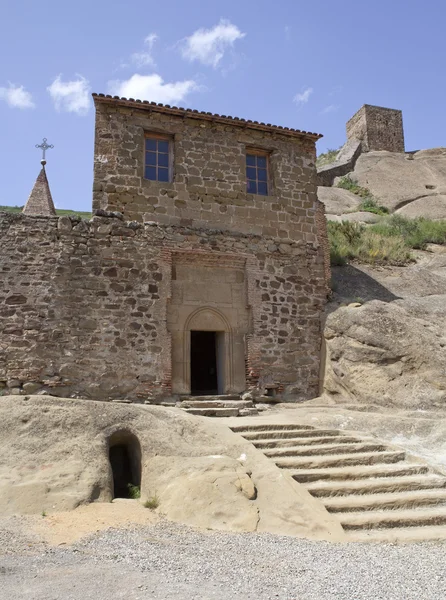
x=377, y=128
x=209, y=180
x=325, y=244
x=84, y=305
x=344, y=163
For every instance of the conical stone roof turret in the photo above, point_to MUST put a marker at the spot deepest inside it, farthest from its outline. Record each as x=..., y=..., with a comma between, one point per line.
x=40, y=201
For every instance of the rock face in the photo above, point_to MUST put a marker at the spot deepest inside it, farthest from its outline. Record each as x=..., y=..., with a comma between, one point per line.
x=380, y=353
x=398, y=180
x=55, y=456
x=337, y=201
x=413, y=185
x=389, y=349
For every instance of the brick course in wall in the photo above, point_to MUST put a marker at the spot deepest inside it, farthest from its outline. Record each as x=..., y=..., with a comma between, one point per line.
x=83, y=305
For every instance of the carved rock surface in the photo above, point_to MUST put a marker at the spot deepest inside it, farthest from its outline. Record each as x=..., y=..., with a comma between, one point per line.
x=55, y=458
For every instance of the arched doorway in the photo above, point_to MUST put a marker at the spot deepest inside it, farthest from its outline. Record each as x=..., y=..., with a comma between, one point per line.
x=208, y=349
x=124, y=451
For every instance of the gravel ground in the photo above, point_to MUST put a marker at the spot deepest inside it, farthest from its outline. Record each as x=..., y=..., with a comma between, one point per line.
x=168, y=561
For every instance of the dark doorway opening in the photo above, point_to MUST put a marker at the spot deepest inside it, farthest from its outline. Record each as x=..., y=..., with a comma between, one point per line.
x=203, y=357
x=125, y=462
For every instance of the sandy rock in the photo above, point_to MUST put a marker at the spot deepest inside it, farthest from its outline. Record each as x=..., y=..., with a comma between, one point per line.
x=361, y=217
x=397, y=180
x=433, y=207
x=337, y=201
x=436, y=248
x=216, y=486
x=388, y=353
x=55, y=458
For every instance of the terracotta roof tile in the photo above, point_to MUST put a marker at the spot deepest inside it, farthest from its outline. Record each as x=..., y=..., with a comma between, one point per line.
x=179, y=111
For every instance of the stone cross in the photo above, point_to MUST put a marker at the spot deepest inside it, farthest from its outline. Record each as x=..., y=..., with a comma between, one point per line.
x=44, y=147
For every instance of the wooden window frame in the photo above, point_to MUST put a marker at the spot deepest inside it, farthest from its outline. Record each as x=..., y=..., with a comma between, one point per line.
x=266, y=154
x=165, y=138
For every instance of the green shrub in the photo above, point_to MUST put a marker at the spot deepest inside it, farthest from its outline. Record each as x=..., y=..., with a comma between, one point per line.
x=376, y=249
x=353, y=241
x=12, y=209
x=326, y=158
x=133, y=491
x=371, y=205
x=347, y=183
x=416, y=232
x=368, y=204
x=59, y=211
x=152, y=503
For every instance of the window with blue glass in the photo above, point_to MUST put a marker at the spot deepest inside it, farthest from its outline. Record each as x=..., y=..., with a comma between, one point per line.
x=157, y=158
x=257, y=173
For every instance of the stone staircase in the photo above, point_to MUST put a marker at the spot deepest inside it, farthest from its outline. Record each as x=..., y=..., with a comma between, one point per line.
x=217, y=406
x=378, y=492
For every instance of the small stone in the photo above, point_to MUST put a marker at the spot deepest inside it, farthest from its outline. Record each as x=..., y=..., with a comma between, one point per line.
x=16, y=299
x=13, y=383
x=31, y=387
x=64, y=224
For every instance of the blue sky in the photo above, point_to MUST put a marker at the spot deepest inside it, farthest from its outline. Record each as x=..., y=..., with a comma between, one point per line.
x=305, y=64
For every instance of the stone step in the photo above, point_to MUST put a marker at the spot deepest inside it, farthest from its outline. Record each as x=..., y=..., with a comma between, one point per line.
x=268, y=400
x=252, y=428
x=414, y=517
x=248, y=412
x=213, y=412
x=207, y=398
x=336, y=460
x=404, y=534
x=289, y=433
x=388, y=501
x=318, y=450
x=216, y=404
x=360, y=472
x=367, y=486
x=309, y=441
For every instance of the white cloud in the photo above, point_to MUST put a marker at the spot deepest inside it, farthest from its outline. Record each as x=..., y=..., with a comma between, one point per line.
x=329, y=109
x=150, y=40
x=16, y=96
x=145, y=58
x=303, y=97
x=153, y=88
x=209, y=45
x=71, y=96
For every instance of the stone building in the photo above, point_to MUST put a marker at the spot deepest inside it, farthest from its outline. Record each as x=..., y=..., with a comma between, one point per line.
x=377, y=128
x=203, y=270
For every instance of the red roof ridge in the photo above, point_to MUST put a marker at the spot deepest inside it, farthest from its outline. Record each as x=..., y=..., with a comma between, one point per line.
x=175, y=110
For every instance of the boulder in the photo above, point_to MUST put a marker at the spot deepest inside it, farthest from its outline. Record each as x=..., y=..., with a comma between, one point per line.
x=396, y=180
x=337, y=201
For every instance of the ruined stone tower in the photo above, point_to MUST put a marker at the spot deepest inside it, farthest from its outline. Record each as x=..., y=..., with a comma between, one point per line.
x=377, y=128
